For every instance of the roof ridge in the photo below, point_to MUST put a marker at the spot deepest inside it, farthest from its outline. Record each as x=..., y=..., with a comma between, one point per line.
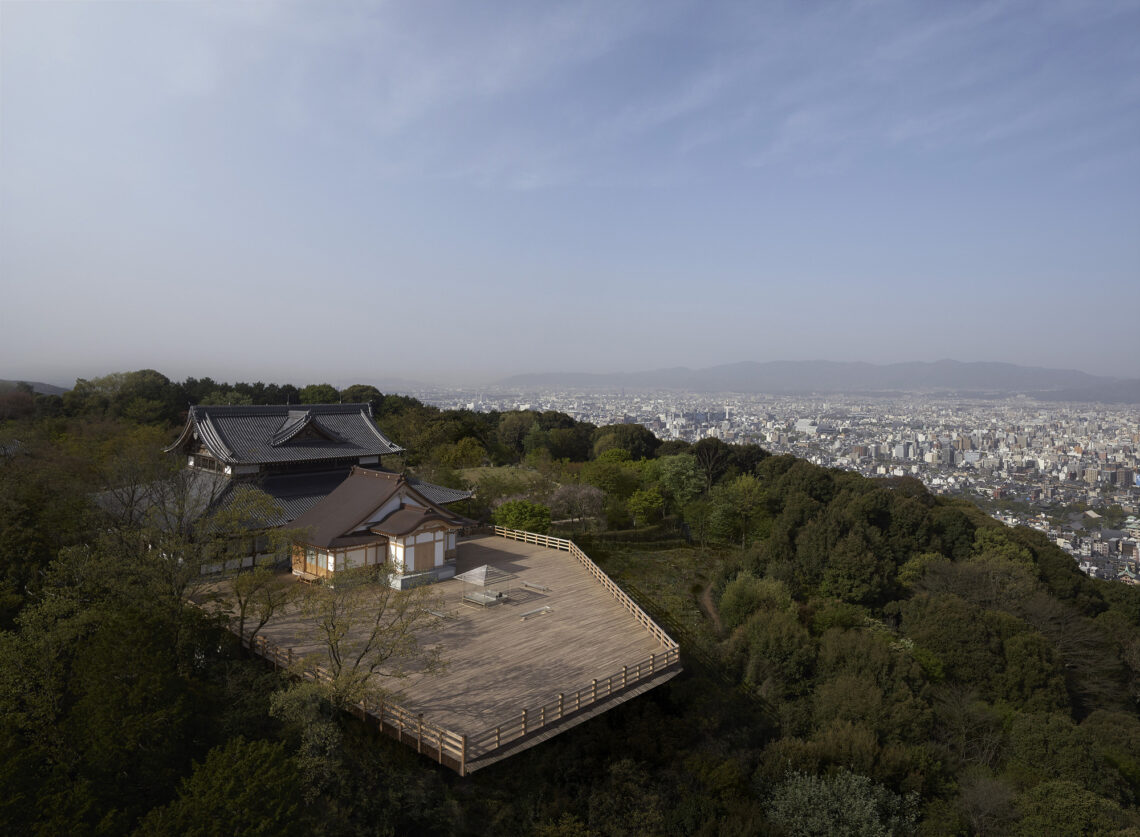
x=277, y=409
x=375, y=472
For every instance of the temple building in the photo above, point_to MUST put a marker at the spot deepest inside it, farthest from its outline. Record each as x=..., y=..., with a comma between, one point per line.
x=377, y=517
x=324, y=466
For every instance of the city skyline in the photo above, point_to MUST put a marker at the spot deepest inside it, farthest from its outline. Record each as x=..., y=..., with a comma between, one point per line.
x=446, y=193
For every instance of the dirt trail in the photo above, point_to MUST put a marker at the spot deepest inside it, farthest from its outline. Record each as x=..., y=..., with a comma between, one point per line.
x=710, y=609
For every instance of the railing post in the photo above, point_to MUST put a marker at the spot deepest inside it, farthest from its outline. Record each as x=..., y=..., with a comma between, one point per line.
x=542, y=716
x=498, y=737
x=420, y=733
x=624, y=672
x=463, y=758
x=560, y=697
x=594, y=691
x=652, y=662
x=524, y=722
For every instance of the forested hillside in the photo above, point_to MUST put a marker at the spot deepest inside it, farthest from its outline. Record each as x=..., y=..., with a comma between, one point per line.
x=860, y=656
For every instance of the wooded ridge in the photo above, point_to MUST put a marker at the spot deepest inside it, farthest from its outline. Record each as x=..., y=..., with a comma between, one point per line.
x=859, y=655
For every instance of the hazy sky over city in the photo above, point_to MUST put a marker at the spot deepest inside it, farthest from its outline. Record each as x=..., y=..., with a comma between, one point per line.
x=449, y=191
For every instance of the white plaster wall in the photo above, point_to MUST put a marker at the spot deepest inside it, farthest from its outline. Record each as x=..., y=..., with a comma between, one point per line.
x=383, y=511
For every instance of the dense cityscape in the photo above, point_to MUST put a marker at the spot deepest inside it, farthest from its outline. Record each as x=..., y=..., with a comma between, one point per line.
x=1070, y=470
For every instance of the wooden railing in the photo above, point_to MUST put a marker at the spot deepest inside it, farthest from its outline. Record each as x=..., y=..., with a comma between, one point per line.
x=620, y=595
x=534, y=537
x=534, y=719
x=456, y=750
x=445, y=746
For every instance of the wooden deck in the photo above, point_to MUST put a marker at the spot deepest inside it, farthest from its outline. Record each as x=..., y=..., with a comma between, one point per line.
x=557, y=631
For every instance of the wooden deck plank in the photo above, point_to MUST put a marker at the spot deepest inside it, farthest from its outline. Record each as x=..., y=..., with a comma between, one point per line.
x=498, y=664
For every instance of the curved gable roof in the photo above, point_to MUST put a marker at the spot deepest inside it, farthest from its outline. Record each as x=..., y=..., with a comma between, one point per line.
x=354, y=501
x=244, y=435
x=406, y=520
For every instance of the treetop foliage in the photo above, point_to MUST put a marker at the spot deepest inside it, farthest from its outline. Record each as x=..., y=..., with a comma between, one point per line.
x=861, y=656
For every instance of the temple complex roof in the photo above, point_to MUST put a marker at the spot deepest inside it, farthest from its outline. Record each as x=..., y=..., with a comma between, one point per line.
x=244, y=435
x=354, y=506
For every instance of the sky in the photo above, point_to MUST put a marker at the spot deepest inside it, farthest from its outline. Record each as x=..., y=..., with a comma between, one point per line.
x=454, y=192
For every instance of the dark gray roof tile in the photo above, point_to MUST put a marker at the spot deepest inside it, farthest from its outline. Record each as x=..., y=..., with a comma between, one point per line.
x=244, y=435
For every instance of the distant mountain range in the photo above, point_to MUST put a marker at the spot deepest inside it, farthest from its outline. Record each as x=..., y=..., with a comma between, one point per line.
x=800, y=377
x=43, y=389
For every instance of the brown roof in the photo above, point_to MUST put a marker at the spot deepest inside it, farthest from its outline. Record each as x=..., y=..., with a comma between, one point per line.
x=336, y=519
x=408, y=519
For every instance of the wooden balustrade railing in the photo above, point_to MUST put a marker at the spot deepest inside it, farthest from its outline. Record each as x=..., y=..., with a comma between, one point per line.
x=620, y=595
x=446, y=746
x=533, y=719
x=456, y=750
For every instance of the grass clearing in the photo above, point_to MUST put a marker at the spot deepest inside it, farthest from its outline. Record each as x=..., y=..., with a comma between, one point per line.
x=667, y=580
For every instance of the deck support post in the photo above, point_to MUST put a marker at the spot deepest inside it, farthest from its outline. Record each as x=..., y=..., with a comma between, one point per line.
x=463, y=757
x=420, y=733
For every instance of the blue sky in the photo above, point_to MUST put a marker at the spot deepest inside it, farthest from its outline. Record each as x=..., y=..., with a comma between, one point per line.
x=457, y=191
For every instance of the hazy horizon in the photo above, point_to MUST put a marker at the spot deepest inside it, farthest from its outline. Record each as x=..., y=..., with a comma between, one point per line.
x=396, y=384
x=450, y=192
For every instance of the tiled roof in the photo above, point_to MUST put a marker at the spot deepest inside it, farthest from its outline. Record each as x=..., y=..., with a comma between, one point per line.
x=343, y=512
x=297, y=493
x=244, y=435
x=438, y=493
x=403, y=521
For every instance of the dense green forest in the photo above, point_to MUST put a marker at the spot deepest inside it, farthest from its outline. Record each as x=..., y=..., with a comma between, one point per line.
x=861, y=657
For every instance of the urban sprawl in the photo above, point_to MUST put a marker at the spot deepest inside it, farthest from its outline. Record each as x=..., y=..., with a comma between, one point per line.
x=1070, y=470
